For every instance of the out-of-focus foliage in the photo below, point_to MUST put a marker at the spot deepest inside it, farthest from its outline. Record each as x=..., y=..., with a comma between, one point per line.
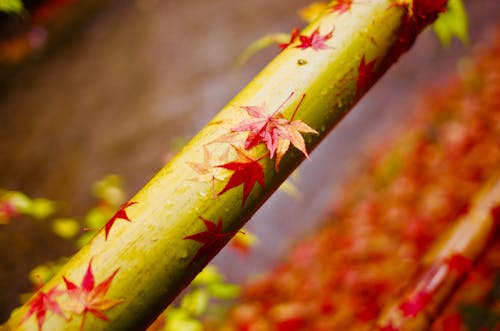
x=206, y=297
x=14, y=204
x=11, y=6
x=452, y=23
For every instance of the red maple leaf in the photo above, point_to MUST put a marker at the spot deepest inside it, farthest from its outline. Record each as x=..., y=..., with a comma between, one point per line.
x=43, y=303
x=120, y=214
x=293, y=36
x=213, y=240
x=416, y=17
x=342, y=6
x=247, y=171
x=89, y=298
x=274, y=130
x=415, y=304
x=314, y=40
x=365, y=75
x=459, y=263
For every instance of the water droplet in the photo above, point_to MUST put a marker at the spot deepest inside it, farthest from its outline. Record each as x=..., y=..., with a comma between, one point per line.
x=301, y=62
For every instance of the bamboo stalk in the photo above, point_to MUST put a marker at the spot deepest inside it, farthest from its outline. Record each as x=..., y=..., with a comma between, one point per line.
x=446, y=265
x=157, y=242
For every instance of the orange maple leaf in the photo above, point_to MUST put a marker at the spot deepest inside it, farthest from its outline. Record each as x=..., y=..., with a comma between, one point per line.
x=207, y=170
x=89, y=298
x=275, y=131
x=43, y=303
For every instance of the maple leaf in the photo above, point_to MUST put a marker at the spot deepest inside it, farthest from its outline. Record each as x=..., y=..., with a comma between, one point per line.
x=89, y=298
x=415, y=304
x=459, y=263
x=247, y=171
x=342, y=6
x=365, y=75
x=293, y=36
x=41, y=304
x=275, y=131
x=314, y=40
x=120, y=214
x=213, y=240
x=207, y=169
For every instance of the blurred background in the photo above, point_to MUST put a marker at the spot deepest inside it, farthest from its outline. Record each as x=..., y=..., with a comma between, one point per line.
x=91, y=88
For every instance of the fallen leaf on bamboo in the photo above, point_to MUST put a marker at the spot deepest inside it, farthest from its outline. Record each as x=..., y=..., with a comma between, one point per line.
x=43, y=303
x=120, y=214
x=274, y=130
x=246, y=171
x=88, y=297
x=315, y=40
x=213, y=239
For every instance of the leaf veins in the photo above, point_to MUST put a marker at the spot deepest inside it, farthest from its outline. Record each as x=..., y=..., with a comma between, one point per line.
x=213, y=240
x=247, y=171
x=88, y=297
x=275, y=131
x=120, y=214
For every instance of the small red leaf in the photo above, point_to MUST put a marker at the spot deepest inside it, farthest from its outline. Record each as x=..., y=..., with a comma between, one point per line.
x=213, y=240
x=315, y=40
x=415, y=304
x=120, y=214
x=88, y=279
x=293, y=36
x=365, y=76
x=43, y=303
x=342, y=6
x=247, y=171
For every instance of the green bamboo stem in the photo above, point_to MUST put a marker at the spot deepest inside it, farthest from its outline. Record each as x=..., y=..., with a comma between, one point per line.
x=149, y=241
x=447, y=263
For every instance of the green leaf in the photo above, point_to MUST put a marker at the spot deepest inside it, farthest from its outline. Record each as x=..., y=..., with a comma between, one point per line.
x=179, y=320
x=96, y=218
x=41, y=208
x=110, y=189
x=452, y=23
x=41, y=274
x=84, y=239
x=477, y=318
x=210, y=274
x=195, y=302
x=223, y=291
x=11, y=6
x=66, y=227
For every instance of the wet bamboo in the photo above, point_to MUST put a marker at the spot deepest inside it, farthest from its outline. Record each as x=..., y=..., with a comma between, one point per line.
x=446, y=265
x=155, y=245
